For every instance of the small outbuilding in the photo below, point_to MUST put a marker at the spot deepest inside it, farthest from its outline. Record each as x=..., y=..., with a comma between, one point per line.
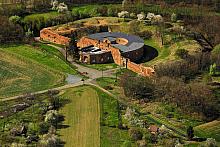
x=153, y=129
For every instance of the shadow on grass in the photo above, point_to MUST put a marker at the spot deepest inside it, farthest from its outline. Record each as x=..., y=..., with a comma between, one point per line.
x=149, y=54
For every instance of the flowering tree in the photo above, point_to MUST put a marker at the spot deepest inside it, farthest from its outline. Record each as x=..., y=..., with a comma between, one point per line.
x=173, y=17
x=150, y=16
x=141, y=16
x=123, y=14
x=62, y=8
x=54, y=4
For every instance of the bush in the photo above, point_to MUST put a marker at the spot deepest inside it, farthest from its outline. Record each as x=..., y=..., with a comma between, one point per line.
x=135, y=134
x=51, y=117
x=43, y=127
x=15, y=19
x=173, y=17
x=182, y=53
x=145, y=34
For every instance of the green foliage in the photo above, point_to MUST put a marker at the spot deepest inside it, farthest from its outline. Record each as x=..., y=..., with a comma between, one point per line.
x=137, y=87
x=43, y=127
x=212, y=69
x=135, y=134
x=15, y=19
x=173, y=17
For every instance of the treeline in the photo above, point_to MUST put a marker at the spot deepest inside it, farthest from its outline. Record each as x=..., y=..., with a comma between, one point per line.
x=9, y=31
x=213, y=4
x=174, y=83
x=206, y=25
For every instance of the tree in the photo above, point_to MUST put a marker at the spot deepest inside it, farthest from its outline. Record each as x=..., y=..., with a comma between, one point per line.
x=15, y=19
x=210, y=142
x=62, y=8
x=182, y=53
x=212, y=69
x=52, y=117
x=141, y=16
x=173, y=17
x=137, y=87
x=135, y=134
x=190, y=133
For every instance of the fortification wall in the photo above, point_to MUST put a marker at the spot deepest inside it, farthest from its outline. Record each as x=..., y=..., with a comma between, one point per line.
x=48, y=35
x=140, y=69
x=119, y=59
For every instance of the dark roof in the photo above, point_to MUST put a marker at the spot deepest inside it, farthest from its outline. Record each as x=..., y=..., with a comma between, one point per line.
x=134, y=42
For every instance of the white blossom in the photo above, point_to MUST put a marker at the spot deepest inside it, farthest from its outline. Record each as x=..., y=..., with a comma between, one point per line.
x=123, y=14
x=62, y=7
x=141, y=16
x=150, y=16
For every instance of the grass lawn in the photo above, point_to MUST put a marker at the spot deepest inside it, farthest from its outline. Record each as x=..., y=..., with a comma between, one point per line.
x=45, y=16
x=27, y=69
x=82, y=118
x=101, y=67
x=209, y=130
x=163, y=52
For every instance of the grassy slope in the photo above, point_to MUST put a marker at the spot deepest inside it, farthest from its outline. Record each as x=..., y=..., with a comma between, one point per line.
x=82, y=117
x=211, y=129
x=27, y=69
x=46, y=16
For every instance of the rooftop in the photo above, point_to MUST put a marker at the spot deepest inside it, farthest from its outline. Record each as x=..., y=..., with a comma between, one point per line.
x=134, y=42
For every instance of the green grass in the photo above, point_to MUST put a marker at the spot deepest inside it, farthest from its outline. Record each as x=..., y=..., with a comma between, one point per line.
x=27, y=69
x=110, y=134
x=209, y=130
x=163, y=52
x=44, y=55
x=45, y=16
x=82, y=118
x=216, y=49
x=101, y=67
x=114, y=137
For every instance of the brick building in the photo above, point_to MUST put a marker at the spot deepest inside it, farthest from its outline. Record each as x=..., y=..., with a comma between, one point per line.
x=129, y=46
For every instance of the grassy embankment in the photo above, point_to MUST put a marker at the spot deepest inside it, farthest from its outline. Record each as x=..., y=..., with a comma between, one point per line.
x=25, y=68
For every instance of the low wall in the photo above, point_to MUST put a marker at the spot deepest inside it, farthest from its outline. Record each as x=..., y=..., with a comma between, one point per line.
x=140, y=69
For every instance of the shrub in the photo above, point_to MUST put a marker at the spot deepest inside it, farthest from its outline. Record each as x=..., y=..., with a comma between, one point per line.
x=135, y=134
x=141, y=16
x=182, y=53
x=43, y=127
x=173, y=17
x=133, y=15
x=210, y=142
x=51, y=117
x=15, y=19
x=145, y=34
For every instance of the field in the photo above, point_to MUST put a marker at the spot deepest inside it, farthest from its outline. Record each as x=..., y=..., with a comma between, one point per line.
x=101, y=67
x=91, y=119
x=25, y=68
x=81, y=118
x=209, y=130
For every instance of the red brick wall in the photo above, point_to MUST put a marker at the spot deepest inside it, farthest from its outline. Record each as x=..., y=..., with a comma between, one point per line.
x=117, y=57
x=48, y=35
